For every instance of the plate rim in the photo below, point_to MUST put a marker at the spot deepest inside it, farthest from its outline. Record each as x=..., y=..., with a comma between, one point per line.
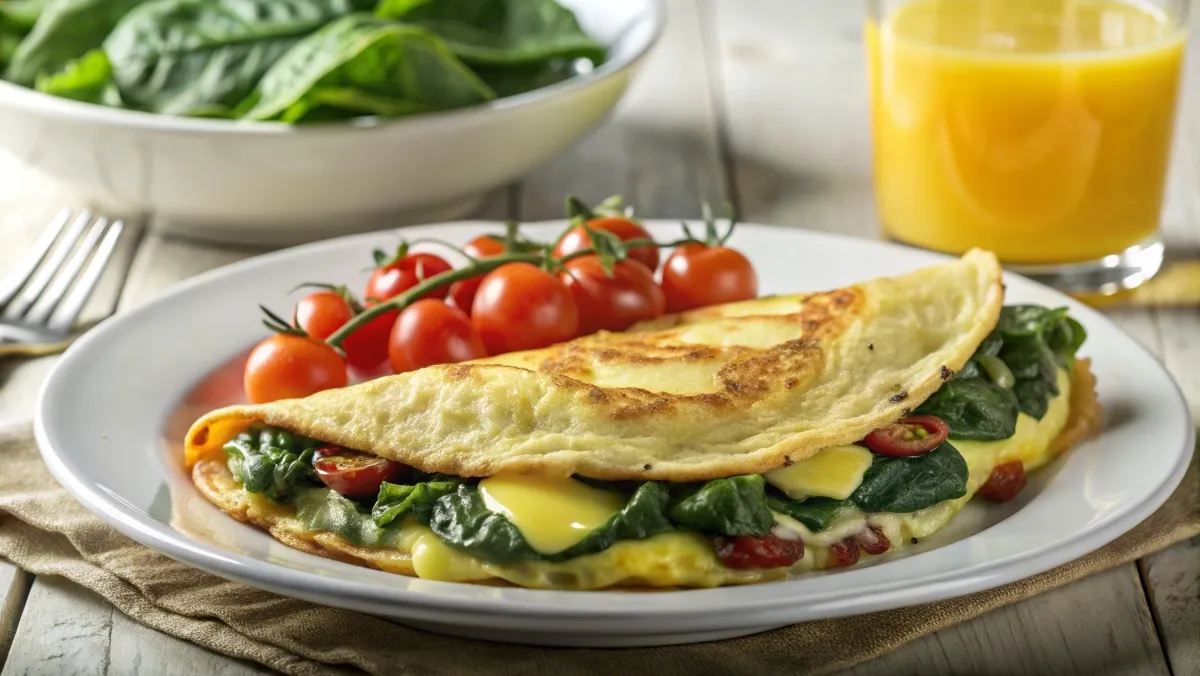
x=358, y=595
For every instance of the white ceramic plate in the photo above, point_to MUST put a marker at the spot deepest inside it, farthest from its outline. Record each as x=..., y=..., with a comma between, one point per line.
x=104, y=429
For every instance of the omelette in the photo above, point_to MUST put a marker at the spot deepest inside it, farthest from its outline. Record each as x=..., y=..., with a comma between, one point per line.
x=732, y=444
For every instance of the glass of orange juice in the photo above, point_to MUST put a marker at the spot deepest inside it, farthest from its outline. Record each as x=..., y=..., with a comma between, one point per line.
x=1038, y=129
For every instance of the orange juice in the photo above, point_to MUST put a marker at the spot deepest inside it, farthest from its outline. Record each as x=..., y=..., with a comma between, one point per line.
x=1039, y=129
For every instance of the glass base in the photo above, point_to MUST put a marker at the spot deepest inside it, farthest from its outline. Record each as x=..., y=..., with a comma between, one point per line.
x=1105, y=276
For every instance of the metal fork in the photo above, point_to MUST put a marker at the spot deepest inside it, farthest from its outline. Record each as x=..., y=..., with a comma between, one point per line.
x=42, y=297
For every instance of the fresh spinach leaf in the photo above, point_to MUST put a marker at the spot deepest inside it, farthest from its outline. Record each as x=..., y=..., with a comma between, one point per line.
x=732, y=506
x=203, y=57
x=21, y=15
x=271, y=461
x=512, y=80
x=389, y=65
x=500, y=32
x=326, y=510
x=65, y=30
x=395, y=500
x=974, y=408
x=899, y=484
x=87, y=79
x=815, y=513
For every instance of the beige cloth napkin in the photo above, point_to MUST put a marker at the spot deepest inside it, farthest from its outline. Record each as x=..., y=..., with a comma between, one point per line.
x=43, y=530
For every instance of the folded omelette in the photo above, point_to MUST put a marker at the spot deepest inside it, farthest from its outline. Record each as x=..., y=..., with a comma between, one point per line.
x=719, y=446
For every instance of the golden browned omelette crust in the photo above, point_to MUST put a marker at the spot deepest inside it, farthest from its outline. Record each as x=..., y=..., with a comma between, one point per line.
x=733, y=389
x=214, y=481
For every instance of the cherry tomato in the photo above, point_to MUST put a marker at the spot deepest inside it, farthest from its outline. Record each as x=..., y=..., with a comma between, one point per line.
x=577, y=239
x=367, y=347
x=399, y=276
x=522, y=307
x=870, y=540
x=915, y=435
x=1004, y=483
x=430, y=332
x=321, y=314
x=696, y=275
x=354, y=474
x=843, y=553
x=287, y=366
x=462, y=293
x=767, y=551
x=612, y=303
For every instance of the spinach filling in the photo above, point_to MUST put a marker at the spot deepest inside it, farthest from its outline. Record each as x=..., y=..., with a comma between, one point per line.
x=981, y=402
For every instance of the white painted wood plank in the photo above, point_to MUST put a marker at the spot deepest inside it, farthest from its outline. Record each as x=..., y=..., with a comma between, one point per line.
x=1172, y=579
x=1078, y=629
x=141, y=651
x=64, y=631
x=659, y=149
x=14, y=587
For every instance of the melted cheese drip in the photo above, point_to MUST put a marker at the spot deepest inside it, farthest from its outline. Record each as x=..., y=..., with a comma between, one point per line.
x=833, y=473
x=552, y=513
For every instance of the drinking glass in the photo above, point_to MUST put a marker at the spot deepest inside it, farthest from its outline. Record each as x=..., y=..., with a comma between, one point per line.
x=1038, y=129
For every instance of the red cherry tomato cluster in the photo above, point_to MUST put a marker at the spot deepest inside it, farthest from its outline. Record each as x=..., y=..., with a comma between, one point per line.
x=602, y=274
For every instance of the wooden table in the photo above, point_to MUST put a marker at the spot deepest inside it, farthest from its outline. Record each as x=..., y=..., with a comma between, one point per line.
x=761, y=102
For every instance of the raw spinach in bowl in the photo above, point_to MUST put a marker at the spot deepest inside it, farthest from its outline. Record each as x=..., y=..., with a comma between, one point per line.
x=290, y=60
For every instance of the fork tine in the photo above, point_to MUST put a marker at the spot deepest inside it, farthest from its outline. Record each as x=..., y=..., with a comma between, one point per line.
x=17, y=277
x=72, y=305
x=57, y=290
x=41, y=278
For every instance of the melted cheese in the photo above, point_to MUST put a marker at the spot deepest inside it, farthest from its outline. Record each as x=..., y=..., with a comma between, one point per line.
x=552, y=513
x=833, y=473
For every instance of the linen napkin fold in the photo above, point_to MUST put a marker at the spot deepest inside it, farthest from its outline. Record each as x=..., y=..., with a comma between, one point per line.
x=43, y=530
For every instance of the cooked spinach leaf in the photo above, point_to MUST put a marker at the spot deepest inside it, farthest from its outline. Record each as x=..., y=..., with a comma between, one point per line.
x=395, y=500
x=1033, y=342
x=203, y=57
x=897, y=484
x=375, y=66
x=815, y=513
x=271, y=461
x=1027, y=320
x=500, y=32
x=974, y=408
x=462, y=520
x=87, y=79
x=326, y=510
x=732, y=506
x=65, y=30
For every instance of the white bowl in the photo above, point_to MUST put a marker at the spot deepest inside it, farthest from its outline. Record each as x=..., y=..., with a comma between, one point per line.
x=270, y=183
